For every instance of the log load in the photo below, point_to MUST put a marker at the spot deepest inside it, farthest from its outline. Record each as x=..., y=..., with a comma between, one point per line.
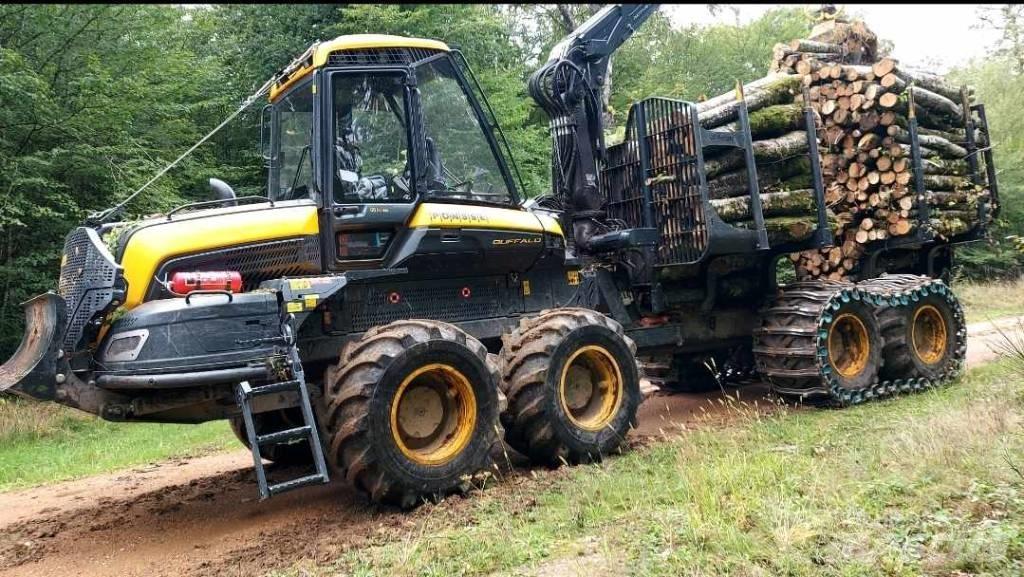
x=861, y=102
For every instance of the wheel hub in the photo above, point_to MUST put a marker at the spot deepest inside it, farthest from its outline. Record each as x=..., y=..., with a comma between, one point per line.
x=849, y=347
x=928, y=334
x=433, y=414
x=591, y=388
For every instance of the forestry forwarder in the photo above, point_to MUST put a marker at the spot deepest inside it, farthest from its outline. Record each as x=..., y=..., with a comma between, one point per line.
x=392, y=304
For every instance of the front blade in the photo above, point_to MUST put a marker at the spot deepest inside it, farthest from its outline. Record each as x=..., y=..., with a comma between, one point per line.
x=32, y=371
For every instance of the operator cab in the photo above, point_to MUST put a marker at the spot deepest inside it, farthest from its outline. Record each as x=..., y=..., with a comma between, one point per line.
x=370, y=127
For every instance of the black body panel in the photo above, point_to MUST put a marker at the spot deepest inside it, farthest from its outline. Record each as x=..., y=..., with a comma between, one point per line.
x=203, y=332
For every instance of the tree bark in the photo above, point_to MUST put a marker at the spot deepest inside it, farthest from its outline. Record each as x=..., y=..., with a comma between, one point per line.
x=791, y=203
x=779, y=91
x=770, y=121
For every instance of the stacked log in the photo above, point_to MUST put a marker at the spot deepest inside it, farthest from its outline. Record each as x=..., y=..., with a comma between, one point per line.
x=780, y=147
x=864, y=106
x=863, y=103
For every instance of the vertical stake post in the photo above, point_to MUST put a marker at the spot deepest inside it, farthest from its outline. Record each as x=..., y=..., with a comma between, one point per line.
x=915, y=155
x=754, y=189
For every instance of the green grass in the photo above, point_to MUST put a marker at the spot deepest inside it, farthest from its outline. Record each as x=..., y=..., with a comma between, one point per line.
x=43, y=443
x=990, y=300
x=923, y=484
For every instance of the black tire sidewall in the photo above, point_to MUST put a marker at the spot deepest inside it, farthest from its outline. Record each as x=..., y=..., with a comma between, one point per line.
x=920, y=368
x=869, y=375
x=476, y=455
x=581, y=441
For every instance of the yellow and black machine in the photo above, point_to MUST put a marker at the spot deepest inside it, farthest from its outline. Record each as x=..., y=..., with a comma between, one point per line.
x=392, y=308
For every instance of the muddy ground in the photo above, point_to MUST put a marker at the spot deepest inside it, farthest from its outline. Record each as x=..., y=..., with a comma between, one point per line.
x=201, y=516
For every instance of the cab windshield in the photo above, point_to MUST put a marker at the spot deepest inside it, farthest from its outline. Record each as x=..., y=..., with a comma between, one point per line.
x=460, y=163
x=453, y=159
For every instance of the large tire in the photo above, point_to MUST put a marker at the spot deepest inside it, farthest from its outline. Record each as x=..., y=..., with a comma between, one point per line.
x=921, y=339
x=854, y=344
x=297, y=453
x=555, y=414
x=412, y=410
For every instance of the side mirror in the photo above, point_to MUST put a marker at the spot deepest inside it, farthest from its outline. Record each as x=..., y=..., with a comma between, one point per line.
x=222, y=191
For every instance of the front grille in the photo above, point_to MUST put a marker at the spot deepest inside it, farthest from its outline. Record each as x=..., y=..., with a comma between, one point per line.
x=88, y=280
x=255, y=262
x=439, y=300
x=379, y=57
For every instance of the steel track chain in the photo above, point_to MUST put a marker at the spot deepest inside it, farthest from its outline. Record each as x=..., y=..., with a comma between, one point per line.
x=803, y=313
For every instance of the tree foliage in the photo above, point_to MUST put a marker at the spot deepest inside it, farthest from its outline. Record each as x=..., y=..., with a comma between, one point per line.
x=998, y=81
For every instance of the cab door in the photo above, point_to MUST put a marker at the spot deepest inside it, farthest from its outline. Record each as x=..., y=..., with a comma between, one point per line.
x=369, y=193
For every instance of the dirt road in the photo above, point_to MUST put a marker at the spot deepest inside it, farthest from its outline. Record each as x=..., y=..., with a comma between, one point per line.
x=201, y=517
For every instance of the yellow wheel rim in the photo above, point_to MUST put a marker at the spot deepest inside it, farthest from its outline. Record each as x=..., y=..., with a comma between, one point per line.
x=848, y=345
x=590, y=389
x=433, y=414
x=928, y=334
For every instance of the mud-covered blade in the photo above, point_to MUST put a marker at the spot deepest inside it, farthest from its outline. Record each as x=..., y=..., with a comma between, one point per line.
x=32, y=371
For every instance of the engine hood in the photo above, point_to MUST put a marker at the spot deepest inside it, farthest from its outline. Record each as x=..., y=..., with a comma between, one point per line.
x=151, y=243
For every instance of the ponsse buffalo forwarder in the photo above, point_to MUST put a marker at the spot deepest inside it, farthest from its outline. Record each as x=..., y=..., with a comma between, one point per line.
x=392, y=309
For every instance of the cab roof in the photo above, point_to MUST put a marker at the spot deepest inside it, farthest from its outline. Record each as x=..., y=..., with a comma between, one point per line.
x=317, y=54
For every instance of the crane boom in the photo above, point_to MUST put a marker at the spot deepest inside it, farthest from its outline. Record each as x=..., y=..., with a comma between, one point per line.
x=568, y=88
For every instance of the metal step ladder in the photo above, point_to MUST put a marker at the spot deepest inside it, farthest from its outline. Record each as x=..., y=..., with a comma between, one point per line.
x=245, y=393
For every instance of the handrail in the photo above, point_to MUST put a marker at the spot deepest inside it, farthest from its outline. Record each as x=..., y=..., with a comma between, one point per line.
x=219, y=201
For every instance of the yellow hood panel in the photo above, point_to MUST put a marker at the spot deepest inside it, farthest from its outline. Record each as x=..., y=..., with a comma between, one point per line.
x=199, y=231
x=437, y=215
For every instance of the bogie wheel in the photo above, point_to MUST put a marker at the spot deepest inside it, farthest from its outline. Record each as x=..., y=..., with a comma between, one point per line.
x=853, y=346
x=297, y=453
x=920, y=339
x=412, y=410
x=572, y=384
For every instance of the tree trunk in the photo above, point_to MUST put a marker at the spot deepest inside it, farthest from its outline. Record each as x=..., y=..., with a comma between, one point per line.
x=792, y=203
x=782, y=148
x=815, y=46
x=779, y=91
x=947, y=167
x=929, y=140
x=770, y=121
x=730, y=97
x=937, y=103
x=734, y=183
x=940, y=182
x=785, y=229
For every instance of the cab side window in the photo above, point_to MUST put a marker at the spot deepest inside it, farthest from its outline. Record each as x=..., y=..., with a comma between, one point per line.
x=295, y=127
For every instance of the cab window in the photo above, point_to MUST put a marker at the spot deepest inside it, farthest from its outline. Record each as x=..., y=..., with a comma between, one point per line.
x=459, y=163
x=370, y=143
x=295, y=130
